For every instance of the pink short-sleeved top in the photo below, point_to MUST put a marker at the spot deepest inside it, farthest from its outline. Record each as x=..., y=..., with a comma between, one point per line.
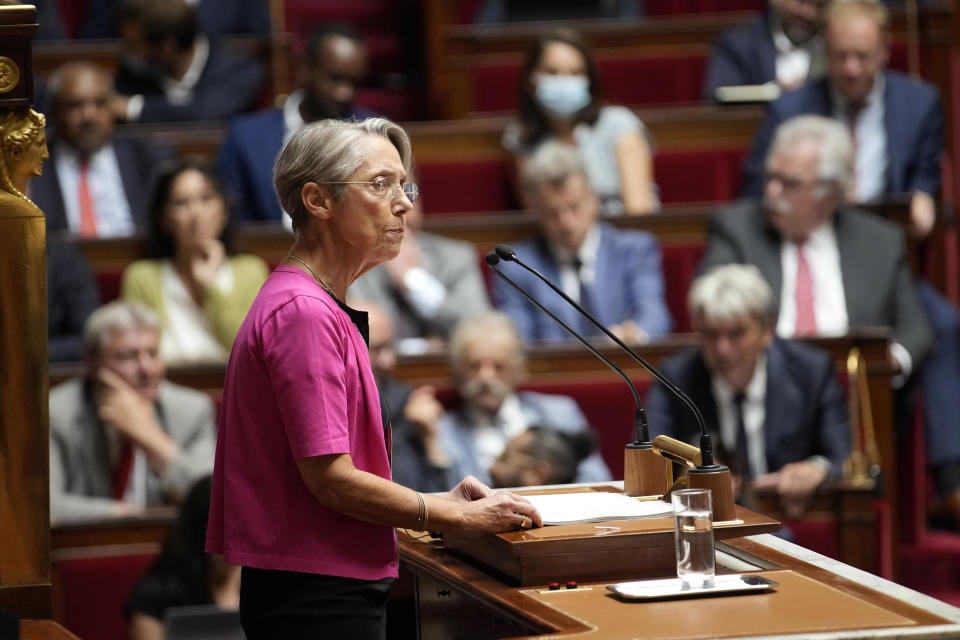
x=298, y=385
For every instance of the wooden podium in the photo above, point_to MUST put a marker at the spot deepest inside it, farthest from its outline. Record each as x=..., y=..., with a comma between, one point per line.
x=497, y=587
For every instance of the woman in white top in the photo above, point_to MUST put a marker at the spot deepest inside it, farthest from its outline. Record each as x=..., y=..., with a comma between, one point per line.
x=560, y=100
x=190, y=277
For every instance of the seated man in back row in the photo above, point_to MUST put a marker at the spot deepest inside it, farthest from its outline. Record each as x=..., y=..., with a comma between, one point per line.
x=122, y=436
x=488, y=363
x=613, y=274
x=774, y=407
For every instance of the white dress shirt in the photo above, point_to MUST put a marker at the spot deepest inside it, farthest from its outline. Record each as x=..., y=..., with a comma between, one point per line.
x=829, y=301
x=490, y=436
x=754, y=414
x=110, y=204
x=793, y=61
x=188, y=334
x=570, y=280
x=870, y=141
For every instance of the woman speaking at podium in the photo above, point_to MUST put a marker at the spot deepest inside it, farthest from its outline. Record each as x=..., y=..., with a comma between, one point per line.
x=302, y=497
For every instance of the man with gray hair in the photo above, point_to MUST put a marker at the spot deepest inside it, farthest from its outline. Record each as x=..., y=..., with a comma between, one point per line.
x=831, y=267
x=488, y=362
x=774, y=406
x=122, y=437
x=613, y=274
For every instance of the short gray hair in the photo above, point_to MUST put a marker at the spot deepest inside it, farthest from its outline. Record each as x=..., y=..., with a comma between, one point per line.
x=480, y=327
x=552, y=163
x=832, y=139
x=328, y=151
x=731, y=292
x=60, y=74
x=116, y=316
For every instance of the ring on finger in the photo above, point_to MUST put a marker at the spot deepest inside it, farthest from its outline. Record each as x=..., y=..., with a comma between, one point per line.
x=523, y=521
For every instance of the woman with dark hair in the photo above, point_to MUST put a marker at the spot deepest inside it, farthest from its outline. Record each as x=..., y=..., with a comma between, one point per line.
x=560, y=99
x=183, y=574
x=190, y=277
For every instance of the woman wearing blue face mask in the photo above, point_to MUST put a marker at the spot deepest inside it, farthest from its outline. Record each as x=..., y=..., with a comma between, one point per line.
x=560, y=100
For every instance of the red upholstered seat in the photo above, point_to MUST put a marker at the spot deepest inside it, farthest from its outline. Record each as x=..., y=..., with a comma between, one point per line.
x=699, y=175
x=109, y=284
x=467, y=185
x=90, y=593
x=679, y=263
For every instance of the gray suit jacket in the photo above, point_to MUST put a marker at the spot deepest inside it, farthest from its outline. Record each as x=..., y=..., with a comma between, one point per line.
x=451, y=262
x=545, y=410
x=877, y=284
x=82, y=448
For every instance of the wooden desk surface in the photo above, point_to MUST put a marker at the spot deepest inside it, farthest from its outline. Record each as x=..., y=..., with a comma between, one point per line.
x=453, y=594
x=44, y=630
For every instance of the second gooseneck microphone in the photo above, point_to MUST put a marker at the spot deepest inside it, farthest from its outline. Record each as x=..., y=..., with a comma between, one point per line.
x=507, y=254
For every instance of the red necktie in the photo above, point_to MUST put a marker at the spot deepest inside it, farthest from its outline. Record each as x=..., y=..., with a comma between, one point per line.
x=121, y=473
x=88, y=216
x=806, y=316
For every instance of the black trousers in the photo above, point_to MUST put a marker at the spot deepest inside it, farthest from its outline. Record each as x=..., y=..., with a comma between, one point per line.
x=289, y=604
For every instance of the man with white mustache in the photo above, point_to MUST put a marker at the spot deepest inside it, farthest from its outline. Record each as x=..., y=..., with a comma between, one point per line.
x=832, y=267
x=487, y=361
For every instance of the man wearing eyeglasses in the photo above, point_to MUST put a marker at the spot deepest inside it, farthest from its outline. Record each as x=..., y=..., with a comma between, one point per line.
x=832, y=267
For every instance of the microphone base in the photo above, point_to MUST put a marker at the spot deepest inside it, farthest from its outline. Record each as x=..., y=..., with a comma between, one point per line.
x=720, y=483
x=644, y=472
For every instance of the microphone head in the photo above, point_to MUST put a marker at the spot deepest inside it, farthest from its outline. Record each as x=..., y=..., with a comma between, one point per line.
x=492, y=258
x=506, y=252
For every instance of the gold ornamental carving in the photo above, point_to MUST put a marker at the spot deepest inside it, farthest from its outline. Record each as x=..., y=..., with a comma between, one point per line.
x=9, y=74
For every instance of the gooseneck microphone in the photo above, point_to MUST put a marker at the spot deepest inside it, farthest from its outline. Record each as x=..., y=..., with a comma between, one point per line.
x=640, y=419
x=507, y=254
x=641, y=474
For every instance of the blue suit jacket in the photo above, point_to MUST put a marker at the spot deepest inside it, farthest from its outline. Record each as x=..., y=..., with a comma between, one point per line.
x=139, y=163
x=544, y=410
x=912, y=119
x=245, y=162
x=628, y=286
x=741, y=55
x=805, y=411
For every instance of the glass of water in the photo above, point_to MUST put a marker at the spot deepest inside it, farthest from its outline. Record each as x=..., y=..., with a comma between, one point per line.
x=693, y=519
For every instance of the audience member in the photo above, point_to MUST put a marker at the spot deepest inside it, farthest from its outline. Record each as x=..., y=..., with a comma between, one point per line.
x=895, y=120
x=96, y=184
x=541, y=456
x=336, y=62
x=49, y=21
x=774, y=407
x=832, y=267
x=614, y=274
x=215, y=17
x=72, y=295
x=191, y=278
x=487, y=362
x=121, y=436
x=781, y=46
x=171, y=72
x=418, y=460
x=560, y=99
x=428, y=288
x=183, y=574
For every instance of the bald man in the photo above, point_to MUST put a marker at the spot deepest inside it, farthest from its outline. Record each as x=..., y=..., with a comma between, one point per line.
x=94, y=184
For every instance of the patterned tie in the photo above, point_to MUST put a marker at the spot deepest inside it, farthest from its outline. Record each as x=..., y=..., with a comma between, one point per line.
x=854, y=109
x=586, y=327
x=743, y=457
x=806, y=316
x=88, y=216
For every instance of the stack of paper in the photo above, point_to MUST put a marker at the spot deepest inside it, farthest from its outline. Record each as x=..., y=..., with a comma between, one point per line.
x=596, y=506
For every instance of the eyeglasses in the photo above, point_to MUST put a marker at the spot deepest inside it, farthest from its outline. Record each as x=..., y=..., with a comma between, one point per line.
x=791, y=184
x=386, y=188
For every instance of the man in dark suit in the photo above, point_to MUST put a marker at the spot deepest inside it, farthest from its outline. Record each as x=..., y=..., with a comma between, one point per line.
x=831, y=267
x=171, y=73
x=93, y=184
x=336, y=63
x=774, y=407
x=216, y=17
x=782, y=46
x=895, y=120
x=613, y=274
